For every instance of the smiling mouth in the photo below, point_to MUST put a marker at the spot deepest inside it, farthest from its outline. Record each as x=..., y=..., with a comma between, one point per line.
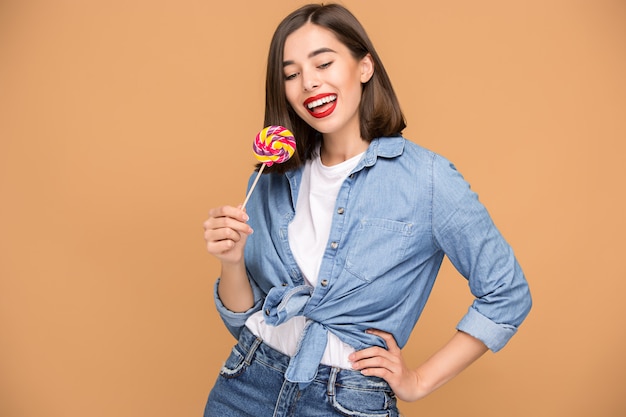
x=321, y=106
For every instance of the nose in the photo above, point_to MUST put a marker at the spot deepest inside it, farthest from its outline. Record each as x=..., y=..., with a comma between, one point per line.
x=310, y=81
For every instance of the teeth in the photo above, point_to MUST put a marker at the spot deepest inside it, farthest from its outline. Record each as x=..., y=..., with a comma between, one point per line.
x=321, y=101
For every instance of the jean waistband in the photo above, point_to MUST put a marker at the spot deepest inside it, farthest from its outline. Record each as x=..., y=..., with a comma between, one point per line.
x=253, y=348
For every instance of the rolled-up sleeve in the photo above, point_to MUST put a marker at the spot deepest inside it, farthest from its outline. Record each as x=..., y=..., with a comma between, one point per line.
x=464, y=230
x=235, y=321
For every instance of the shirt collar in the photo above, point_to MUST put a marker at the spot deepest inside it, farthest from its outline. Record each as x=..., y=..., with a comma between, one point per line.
x=387, y=147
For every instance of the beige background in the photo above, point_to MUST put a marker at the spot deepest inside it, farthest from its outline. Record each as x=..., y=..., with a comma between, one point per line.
x=123, y=122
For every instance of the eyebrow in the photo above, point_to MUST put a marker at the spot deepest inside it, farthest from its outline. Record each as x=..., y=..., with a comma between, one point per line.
x=311, y=55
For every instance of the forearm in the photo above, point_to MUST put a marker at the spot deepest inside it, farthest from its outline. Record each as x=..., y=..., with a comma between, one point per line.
x=234, y=289
x=459, y=353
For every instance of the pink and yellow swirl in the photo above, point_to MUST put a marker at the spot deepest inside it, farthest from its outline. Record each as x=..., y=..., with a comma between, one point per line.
x=274, y=145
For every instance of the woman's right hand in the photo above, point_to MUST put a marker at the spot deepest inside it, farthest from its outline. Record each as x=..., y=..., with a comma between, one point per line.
x=225, y=232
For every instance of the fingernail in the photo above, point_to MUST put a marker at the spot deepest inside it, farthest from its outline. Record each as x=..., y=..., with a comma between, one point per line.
x=245, y=217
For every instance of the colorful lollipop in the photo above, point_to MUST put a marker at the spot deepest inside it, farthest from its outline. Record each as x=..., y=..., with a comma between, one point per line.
x=272, y=145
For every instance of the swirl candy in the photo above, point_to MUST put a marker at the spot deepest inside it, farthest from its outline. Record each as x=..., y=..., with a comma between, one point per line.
x=274, y=145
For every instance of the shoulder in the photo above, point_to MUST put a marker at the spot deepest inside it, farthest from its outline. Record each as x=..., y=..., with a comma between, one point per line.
x=409, y=153
x=440, y=164
x=399, y=145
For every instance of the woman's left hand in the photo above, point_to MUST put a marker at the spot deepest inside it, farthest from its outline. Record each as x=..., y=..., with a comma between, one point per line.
x=389, y=365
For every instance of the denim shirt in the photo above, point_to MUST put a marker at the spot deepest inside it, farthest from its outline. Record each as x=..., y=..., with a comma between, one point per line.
x=397, y=214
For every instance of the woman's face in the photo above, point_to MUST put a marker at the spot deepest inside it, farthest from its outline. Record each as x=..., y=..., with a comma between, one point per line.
x=323, y=80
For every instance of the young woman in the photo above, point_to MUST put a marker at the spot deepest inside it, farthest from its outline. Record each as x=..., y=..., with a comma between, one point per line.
x=349, y=235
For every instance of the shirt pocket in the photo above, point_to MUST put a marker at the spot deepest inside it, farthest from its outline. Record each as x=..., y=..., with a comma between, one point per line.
x=377, y=246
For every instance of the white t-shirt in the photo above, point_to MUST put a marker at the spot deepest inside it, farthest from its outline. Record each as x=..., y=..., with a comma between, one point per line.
x=308, y=238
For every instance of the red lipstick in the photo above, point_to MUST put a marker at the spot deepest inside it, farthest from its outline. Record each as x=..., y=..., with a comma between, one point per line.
x=321, y=105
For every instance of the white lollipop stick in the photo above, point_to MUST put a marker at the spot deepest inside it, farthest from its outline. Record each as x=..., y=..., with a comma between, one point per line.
x=273, y=144
x=258, y=175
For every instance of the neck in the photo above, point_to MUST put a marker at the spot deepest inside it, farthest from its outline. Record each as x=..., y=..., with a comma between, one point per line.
x=335, y=151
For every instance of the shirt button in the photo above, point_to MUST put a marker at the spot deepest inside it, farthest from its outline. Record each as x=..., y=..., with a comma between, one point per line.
x=324, y=283
x=340, y=210
x=284, y=284
x=267, y=311
x=334, y=245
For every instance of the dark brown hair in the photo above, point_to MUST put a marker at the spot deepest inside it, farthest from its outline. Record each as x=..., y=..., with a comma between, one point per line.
x=379, y=111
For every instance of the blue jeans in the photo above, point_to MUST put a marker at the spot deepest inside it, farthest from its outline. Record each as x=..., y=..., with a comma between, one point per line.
x=252, y=383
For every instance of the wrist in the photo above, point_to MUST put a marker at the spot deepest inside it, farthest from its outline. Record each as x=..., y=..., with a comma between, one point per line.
x=425, y=385
x=233, y=266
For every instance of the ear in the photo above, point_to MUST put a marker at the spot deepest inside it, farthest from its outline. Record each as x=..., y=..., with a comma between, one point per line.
x=367, y=68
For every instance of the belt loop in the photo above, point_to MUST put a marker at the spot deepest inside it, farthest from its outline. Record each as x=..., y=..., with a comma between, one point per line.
x=253, y=348
x=330, y=388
